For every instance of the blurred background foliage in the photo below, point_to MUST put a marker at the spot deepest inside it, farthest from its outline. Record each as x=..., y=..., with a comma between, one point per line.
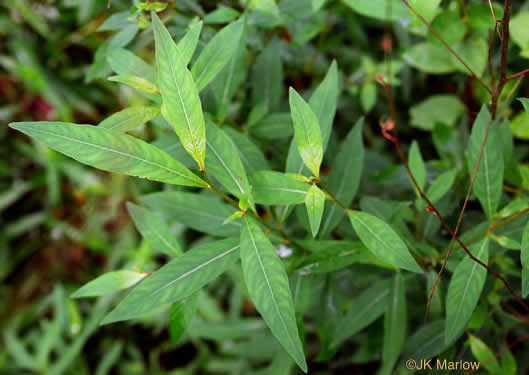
x=64, y=224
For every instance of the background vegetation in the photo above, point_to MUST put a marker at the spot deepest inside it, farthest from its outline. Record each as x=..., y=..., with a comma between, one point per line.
x=379, y=68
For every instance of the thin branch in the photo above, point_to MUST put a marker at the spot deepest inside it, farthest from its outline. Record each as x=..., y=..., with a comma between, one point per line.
x=456, y=55
x=522, y=73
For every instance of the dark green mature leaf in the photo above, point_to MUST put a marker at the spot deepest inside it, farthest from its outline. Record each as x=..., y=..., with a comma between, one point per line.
x=464, y=291
x=177, y=280
x=195, y=211
x=126, y=63
x=307, y=132
x=251, y=155
x=217, y=53
x=524, y=258
x=345, y=177
x=365, y=309
x=269, y=289
x=223, y=163
x=382, y=240
x=427, y=342
x=129, y=118
x=488, y=185
x=110, y=151
x=395, y=323
x=154, y=230
x=276, y=188
x=181, y=315
x=267, y=77
x=315, y=201
x=445, y=109
x=182, y=107
x=108, y=283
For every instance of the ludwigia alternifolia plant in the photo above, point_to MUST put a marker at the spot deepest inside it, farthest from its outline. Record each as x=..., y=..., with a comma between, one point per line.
x=313, y=199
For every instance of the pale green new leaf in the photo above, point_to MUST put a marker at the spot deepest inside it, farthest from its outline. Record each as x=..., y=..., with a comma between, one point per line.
x=129, y=118
x=196, y=211
x=379, y=9
x=223, y=163
x=345, y=177
x=276, y=188
x=395, y=322
x=524, y=258
x=464, y=291
x=382, y=240
x=486, y=357
x=137, y=83
x=108, y=283
x=365, y=309
x=110, y=151
x=307, y=132
x=154, y=230
x=488, y=185
x=126, y=63
x=269, y=289
x=177, y=280
x=315, y=201
x=181, y=103
x=217, y=53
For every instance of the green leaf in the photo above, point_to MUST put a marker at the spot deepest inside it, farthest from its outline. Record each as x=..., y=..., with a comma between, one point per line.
x=307, y=132
x=154, y=230
x=382, y=240
x=519, y=33
x=379, y=9
x=324, y=101
x=416, y=164
x=196, y=211
x=177, y=280
x=445, y=109
x=368, y=96
x=427, y=9
x=267, y=77
x=345, y=177
x=488, y=185
x=365, y=309
x=223, y=163
x=276, y=188
x=269, y=289
x=251, y=155
x=430, y=58
x=182, y=107
x=484, y=355
x=126, y=63
x=129, y=118
x=110, y=151
x=181, y=315
x=442, y=185
x=315, y=201
x=395, y=322
x=136, y=83
x=222, y=14
x=217, y=53
x=427, y=342
x=524, y=258
x=188, y=44
x=464, y=291
x=108, y=283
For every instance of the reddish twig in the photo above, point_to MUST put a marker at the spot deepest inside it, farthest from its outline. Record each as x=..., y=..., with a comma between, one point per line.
x=522, y=73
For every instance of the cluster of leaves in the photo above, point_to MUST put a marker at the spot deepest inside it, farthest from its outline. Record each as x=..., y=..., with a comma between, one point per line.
x=332, y=232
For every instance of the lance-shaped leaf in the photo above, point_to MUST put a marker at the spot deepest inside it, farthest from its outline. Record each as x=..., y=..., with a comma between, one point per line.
x=524, y=258
x=416, y=164
x=181, y=315
x=484, y=355
x=382, y=240
x=365, y=309
x=181, y=103
x=126, y=63
x=196, y=211
x=251, y=155
x=395, y=322
x=315, y=201
x=464, y=291
x=217, y=53
x=138, y=83
x=267, y=77
x=276, y=188
x=154, y=230
x=345, y=177
x=307, y=132
x=177, y=280
x=269, y=289
x=188, y=44
x=110, y=151
x=129, y=118
x=223, y=163
x=108, y=283
x=324, y=101
x=488, y=185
